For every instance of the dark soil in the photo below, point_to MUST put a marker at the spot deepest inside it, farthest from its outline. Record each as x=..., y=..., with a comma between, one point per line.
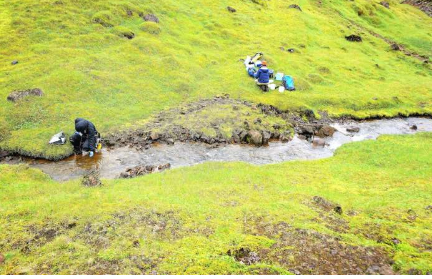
x=309, y=252
x=15, y=96
x=91, y=179
x=394, y=45
x=353, y=38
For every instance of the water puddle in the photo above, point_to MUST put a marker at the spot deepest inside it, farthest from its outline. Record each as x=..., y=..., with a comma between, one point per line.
x=113, y=162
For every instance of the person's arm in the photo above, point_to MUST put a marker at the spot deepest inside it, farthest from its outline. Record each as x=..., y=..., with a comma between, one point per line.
x=257, y=75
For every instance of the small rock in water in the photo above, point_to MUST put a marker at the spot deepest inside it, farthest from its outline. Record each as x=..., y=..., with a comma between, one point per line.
x=414, y=127
x=143, y=170
x=325, y=131
x=319, y=142
x=353, y=129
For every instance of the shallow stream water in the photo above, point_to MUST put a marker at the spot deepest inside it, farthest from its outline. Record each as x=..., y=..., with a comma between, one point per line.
x=111, y=163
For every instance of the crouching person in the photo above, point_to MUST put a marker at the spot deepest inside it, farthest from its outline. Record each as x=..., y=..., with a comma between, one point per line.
x=263, y=76
x=85, y=137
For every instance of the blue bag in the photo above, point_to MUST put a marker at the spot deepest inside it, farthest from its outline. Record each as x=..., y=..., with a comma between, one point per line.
x=288, y=83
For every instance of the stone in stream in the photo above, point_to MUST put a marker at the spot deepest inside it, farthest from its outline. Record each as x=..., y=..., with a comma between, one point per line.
x=353, y=129
x=318, y=142
x=325, y=131
x=143, y=170
x=414, y=127
x=20, y=94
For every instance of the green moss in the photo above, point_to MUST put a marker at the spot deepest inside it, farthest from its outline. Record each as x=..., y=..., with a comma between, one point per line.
x=197, y=220
x=92, y=72
x=123, y=32
x=104, y=18
x=151, y=27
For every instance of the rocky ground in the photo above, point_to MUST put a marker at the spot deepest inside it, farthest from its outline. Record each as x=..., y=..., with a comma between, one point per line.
x=223, y=120
x=424, y=5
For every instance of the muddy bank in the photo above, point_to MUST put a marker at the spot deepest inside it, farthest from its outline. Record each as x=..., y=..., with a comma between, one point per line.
x=113, y=161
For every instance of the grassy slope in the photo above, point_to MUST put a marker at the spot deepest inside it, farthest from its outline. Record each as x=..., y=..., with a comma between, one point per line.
x=87, y=70
x=185, y=220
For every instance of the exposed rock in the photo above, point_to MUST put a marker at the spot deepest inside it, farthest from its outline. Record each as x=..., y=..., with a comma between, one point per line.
x=327, y=205
x=424, y=5
x=18, y=95
x=154, y=136
x=232, y=10
x=385, y=4
x=245, y=256
x=414, y=127
x=151, y=17
x=318, y=142
x=325, y=131
x=395, y=47
x=143, y=170
x=266, y=136
x=353, y=38
x=429, y=208
x=14, y=62
x=91, y=179
x=295, y=6
x=396, y=241
x=353, y=129
x=255, y=137
x=2, y=259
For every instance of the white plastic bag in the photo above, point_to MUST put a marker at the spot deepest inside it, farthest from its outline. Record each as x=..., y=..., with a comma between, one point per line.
x=281, y=89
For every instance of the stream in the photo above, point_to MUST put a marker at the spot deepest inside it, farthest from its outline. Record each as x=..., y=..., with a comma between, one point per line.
x=111, y=163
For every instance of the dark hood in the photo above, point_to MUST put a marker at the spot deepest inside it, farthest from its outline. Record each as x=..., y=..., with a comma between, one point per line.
x=81, y=124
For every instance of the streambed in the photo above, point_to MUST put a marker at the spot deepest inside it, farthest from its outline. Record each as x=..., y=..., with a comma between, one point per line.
x=111, y=163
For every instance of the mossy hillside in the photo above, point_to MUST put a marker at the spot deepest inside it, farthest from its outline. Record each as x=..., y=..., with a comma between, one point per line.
x=87, y=70
x=186, y=220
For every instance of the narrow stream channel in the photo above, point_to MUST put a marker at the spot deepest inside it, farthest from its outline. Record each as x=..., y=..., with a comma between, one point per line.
x=113, y=162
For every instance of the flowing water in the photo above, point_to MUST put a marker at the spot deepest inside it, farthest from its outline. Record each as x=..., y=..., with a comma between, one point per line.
x=111, y=163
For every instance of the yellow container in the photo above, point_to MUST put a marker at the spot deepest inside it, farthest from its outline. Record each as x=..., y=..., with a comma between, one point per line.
x=99, y=146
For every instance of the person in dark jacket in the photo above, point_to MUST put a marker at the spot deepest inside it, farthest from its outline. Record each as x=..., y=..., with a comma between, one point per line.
x=263, y=74
x=85, y=137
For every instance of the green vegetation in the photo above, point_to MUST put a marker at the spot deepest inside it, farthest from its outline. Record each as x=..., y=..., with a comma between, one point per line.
x=75, y=51
x=193, y=220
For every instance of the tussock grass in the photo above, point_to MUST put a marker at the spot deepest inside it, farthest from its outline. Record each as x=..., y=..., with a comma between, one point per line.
x=71, y=50
x=185, y=220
